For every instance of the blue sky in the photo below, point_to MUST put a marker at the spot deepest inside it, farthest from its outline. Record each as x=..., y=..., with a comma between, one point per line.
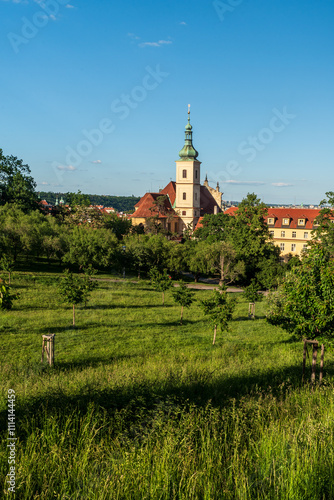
x=95, y=94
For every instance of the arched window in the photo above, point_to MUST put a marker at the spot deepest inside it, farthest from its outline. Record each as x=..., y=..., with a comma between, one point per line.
x=184, y=196
x=184, y=174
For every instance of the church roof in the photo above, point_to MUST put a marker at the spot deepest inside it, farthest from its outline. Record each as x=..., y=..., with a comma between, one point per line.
x=146, y=206
x=208, y=203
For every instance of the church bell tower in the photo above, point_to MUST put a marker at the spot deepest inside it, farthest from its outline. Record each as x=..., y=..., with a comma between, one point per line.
x=188, y=174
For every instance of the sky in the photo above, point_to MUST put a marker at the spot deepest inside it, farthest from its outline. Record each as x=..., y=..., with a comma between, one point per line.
x=94, y=95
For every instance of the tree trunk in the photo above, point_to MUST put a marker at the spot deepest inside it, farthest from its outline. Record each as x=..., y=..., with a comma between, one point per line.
x=214, y=335
x=196, y=278
x=8, y=277
x=181, y=315
x=163, y=298
x=73, y=316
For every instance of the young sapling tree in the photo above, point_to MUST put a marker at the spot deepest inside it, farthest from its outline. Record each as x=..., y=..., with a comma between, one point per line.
x=6, y=296
x=161, y=282
x=219, y=309
x=183, y=296
x=7, y=264
x=75, y=289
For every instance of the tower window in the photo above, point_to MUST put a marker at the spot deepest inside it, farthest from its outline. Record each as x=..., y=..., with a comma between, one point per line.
x=184, y=196
x=184, y=174
x=184, y=212
x=195, y=174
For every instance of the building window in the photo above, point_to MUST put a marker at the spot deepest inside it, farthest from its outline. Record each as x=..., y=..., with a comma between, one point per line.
x=169, y=226
x=282, y=246
x=301, y=222
x=195, y=174
x=305, y=236
x=293, y=247
x=286, y=222
x=271, y=233
x=294, y=234
x=184, y=212
x=184, y=196
x=175, y=227
x=282, y=234
x=270, y=221
x=184, y=174
x=305, y=246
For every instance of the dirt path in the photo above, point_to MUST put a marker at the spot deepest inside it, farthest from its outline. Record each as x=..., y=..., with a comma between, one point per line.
x=196, y=286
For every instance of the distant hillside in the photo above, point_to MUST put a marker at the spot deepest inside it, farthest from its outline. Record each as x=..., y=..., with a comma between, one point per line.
x=119, y=203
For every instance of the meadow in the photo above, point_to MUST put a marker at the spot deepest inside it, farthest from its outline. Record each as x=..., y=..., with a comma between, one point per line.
x=139, y=407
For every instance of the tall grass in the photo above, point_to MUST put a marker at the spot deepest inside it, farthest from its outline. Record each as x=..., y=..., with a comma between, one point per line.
x=139, y=407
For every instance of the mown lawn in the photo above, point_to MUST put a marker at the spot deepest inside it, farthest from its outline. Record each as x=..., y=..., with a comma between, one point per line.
x=139, y=407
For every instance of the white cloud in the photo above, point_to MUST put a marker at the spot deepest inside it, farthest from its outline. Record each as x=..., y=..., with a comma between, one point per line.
x=183, y=23
x=69, y=6
x=66, y=167
x=245, y=183
x=155, y=44
x=281, y=184
x=133, y=36
x=96, y=161
x=44, y=183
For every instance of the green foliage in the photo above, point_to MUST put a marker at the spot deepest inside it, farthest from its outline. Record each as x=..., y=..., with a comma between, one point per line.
x=90, y=246
x=246, y=240
x=304, y=302
x=77, y=199
x=183, y=296
x=324, y=230
x=215, y=227
x=6, y=296
x=16, y=184
x=251, y=292
x=120, y=226
x=76, y=289
x=219, y=309
x=144, y=252
x=7, y=264
x=161, y=282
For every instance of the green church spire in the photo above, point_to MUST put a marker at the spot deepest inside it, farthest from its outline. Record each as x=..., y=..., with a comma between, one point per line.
x=188, y=152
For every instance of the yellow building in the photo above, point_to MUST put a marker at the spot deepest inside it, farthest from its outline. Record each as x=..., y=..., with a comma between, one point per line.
x=291, y=228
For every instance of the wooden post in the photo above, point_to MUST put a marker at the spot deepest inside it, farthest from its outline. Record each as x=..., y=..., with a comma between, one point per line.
x=304, y=358
x=214, y=335
x=251, y=310
x=48, y=345
x=322, y=362
x=314, y=360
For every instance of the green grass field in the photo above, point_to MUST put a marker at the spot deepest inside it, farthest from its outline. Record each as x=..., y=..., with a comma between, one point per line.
x=139, y=407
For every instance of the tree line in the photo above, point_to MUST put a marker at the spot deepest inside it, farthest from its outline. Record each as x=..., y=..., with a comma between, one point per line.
x=119, y=203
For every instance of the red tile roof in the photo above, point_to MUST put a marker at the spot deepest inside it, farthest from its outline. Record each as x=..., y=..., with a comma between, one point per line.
x=146, y=208
x=293, y=214
x=170, y=190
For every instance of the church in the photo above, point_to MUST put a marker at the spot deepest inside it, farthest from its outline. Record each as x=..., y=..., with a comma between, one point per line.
x=182, y=202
